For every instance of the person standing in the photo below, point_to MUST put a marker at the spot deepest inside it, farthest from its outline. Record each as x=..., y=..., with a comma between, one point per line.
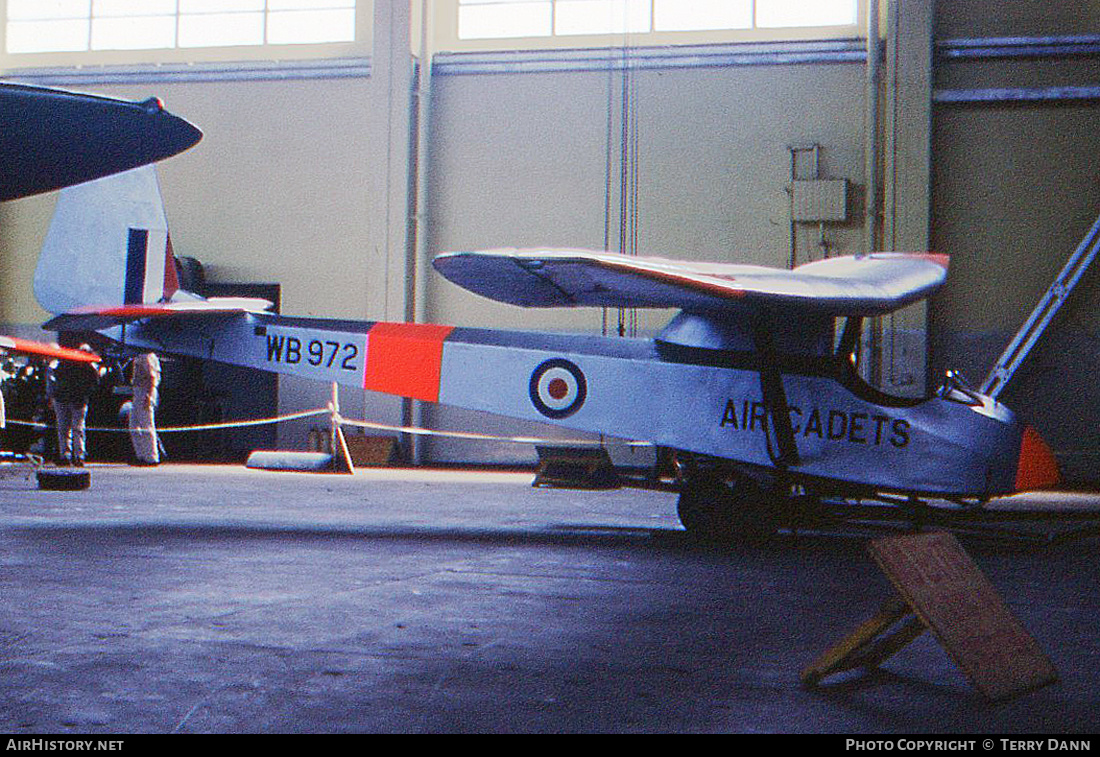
x=71, y=384
x=143, y=427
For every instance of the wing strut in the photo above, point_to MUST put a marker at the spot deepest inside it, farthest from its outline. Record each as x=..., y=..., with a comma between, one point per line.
x=775, y=398
x=1021, y=345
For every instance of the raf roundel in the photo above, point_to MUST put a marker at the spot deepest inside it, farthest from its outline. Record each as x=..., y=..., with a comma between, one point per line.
x=558, y=388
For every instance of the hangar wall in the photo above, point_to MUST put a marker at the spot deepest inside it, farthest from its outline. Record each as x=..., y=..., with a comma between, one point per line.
x=1015, y=187
x=302, y=182
x=521, y=159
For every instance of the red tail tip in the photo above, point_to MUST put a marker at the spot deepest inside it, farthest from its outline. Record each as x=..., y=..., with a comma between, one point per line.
x=1036, y=468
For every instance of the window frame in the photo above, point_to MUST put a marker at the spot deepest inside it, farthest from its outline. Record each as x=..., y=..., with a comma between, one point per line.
x=446, y=39
x=358, y=48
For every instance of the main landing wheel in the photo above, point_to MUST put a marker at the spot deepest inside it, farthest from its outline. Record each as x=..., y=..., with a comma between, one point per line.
x=715, y=509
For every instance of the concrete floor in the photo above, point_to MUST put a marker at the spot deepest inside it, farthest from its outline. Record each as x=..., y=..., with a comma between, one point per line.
x=221, y=599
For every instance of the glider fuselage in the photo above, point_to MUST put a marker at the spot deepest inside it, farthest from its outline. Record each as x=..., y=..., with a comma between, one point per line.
x=709, y=402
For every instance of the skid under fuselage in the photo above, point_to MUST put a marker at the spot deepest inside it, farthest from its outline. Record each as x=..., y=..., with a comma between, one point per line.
x=708, y=402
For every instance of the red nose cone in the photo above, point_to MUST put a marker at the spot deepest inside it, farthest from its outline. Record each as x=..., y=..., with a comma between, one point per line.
x=1037, y=468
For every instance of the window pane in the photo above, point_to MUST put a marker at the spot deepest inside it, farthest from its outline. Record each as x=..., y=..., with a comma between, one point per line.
x=220, y=6
x=297, y=27
x=47, y=36
x=136, y=33
x=38, y=10
x=302, y=5
x=77, y=25
x=805, y=12
x=697, y=15
x=102, y=8
x=601, y=16
x=221, y=29
x=488, y=20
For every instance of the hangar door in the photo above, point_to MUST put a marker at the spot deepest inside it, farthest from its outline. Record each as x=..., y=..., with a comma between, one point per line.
x=1016, y=186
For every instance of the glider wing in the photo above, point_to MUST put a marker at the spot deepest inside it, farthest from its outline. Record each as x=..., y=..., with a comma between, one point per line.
x=867, y=285
x=51, y=138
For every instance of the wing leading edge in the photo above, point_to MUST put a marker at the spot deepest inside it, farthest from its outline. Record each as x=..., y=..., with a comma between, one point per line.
x=868, y=285
x=16, y=346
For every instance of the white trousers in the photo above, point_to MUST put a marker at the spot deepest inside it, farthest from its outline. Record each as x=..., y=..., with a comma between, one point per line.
x=143, y=430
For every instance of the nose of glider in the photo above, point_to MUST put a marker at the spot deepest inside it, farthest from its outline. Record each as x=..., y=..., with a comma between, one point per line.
x=1036, y=468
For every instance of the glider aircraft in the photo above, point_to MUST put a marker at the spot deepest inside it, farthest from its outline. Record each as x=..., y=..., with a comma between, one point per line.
x=51, y=138
x=748, y=382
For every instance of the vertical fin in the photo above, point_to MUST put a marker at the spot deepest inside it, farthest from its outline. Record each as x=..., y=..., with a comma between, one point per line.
x=107, y=245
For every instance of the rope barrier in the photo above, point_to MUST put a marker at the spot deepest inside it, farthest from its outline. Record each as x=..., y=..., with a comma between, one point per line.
x=483, y=437
x=197, y=427
x=336, y=417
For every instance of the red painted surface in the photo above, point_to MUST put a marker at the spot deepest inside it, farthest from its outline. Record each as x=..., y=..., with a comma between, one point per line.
x=405, y=359
x=1037, y=468
x=558, y=388
x=28, y=347
x=171, y=281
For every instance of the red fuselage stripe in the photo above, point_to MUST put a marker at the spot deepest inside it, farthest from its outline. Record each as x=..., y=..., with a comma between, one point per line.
x=405, y=359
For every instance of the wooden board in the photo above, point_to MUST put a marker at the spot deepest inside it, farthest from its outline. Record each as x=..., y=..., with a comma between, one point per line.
x=954, y=599
x=373, y=451
x=848, y=653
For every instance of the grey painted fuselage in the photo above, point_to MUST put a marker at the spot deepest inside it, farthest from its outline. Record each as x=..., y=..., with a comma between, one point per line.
x=709, y=402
